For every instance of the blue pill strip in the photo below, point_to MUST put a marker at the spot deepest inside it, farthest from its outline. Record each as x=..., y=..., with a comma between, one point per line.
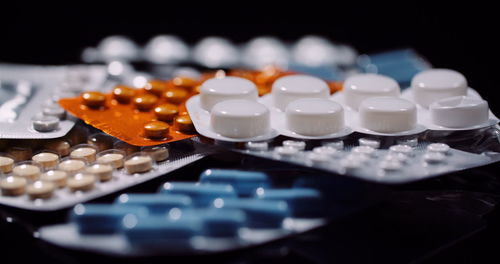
x=201, y=195
x=245, y=183
x=259, y=213
x=156, y=204
x=302, y=202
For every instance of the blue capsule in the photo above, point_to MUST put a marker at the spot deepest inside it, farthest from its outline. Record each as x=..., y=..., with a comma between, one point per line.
x=102, y=218
x=156, y=204
x=259, y=213
x=302, y=202
x=201, y=195
x=218, y=222
x=245, y=183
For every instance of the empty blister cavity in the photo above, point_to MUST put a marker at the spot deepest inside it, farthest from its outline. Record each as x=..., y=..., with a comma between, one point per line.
x=314, y=117
x=459, y=112
x=435, y=84
x=388, y=114
x=240, y=119
x=216, y=90
x=290, y=88
x=359, y=87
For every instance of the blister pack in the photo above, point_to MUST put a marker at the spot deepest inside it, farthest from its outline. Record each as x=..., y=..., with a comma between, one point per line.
x=29, y=95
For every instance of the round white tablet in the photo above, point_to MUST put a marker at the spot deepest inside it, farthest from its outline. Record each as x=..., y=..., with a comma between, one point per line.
x=240, y=119
x=314, y=117
x=293, y=87
x=216, y=90
x=359, y=87
x=459, y=111
x=432, y=85
x=387, y=114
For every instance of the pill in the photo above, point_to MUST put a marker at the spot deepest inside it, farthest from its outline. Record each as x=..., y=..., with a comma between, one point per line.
x=28, y=170
x=240, y=119
x=459, y=112
x=300, y=145
x=20, y=153
x=145, y=102
x=123, y=94
x=71, y=165
x=166, y=112
x=286, y=151
x=81, y=182
x=6, y=164
x=41, y=190
x=364, y=150
x=302, y=202
x=176, y=96
x=314, y=117
x=100, y=141
x=404, y=149
x=245, y=183
x=257, y=146
x=334, y=144
x=111, y=157
x=374, y=143
x=103, y=172
x=434, y=157
x=125, y=147
x=47, y=160
x=216, y=90
x=438, y=147
x=156, y=129
x=328, y=151
x=138, y=164
x=184, y=82
x=359, y=87
x=201, y=194
x=435, y=84
x=260, y=213
x=184, y=124
x=85, y=152
x=57, y=112
x=155, y=203
x=156, y=87
x=77, y=135
x=43, y=123
x=290, y=88
x=157, y=153
x=60, y=147
x=412, y=142
x=387, y=114
x=93, y=99
x=13, y=185
x=103, y=218
x=58, y=177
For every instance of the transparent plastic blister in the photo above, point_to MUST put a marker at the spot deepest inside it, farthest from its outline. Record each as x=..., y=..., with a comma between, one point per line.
x=29, y=96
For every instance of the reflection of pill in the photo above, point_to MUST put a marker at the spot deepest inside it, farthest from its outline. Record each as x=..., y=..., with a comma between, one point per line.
x=435, y=84
x=103, y=172
x=240, y=119
x=6, y=164
x=81, y=182
x=158, y=153
x=86, y=153
x=71, y=165
x=145, y=102
x=156, y=87
x=139, y=164
x=20, y=153
x=41, y=189
x=387, y=114
x=113, y=159
x=184, y=124
x=93, y=99
x=176, y=96
x=27, y=171
x=359, y=87
x=123, y=94
x=156, y=129
x=290, y=88
x=216, y=90
x=46, y=159
x=58, y=177
x=13, y=186
x=61, y=147
x=166, y=112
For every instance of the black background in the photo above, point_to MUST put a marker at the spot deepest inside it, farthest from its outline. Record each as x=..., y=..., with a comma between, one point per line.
x=463, y=38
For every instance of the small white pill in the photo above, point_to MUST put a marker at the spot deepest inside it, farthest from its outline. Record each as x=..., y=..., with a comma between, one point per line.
x=286, y=151
x=404, y=149
x=334, y=144
x=434, y=157
x=257, y=146
x=45, y=123
x=374, y=143
x=365, y=150
x=438, y=147
x=300, y=145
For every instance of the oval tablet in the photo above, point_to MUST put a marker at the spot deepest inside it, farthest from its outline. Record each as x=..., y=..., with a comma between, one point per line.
x=290, y=88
